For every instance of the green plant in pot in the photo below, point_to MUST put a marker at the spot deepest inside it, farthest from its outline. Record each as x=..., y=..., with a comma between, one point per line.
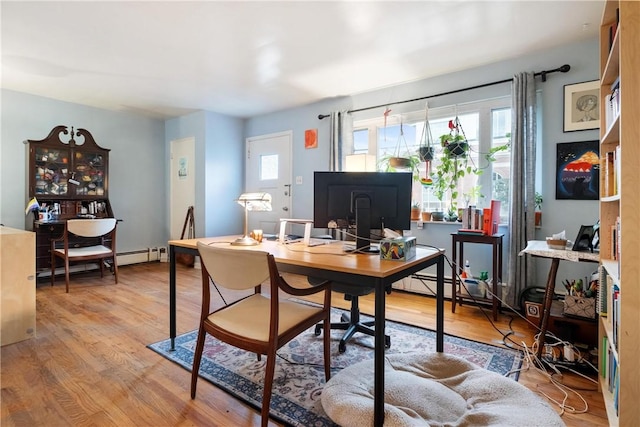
x=455, y=142
x=390, y=163
x=452, y=212
x=403, y=160
x=538, y=206
x=415, y=211
x=425, y=150
x=453, y=167
x=446, y=175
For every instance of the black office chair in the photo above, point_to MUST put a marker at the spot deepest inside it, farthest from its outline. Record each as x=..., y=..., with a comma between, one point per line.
x=350, y=322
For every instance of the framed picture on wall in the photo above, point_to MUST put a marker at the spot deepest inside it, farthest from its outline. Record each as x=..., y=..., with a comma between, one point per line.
x=582, y=106
x=578, y=170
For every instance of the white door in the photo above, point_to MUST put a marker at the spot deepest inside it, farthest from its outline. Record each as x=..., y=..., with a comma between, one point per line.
x=183, y=184
x=268, y=169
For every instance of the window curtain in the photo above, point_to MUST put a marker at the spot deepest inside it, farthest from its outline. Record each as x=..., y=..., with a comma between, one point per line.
x=341, y=139
x=520, y=272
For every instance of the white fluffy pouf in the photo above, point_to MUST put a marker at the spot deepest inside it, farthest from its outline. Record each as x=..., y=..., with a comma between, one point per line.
x=434, y=389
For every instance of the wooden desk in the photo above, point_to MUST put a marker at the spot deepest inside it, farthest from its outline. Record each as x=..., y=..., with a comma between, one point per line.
x=329, y=262
x=539, y=248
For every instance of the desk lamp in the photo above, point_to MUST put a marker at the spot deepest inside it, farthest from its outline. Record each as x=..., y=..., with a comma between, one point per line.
x=251, y=202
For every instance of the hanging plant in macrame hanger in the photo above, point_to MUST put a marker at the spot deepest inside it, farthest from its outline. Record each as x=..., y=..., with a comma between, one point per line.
x=425, y=150
x=398, y=161
x=455, y=142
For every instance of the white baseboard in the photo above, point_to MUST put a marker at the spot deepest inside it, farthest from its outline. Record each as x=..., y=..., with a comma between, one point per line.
x=135, y=257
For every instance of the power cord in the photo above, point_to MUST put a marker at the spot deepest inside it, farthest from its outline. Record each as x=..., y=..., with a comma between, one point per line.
x=530, y=360
x=505, y=335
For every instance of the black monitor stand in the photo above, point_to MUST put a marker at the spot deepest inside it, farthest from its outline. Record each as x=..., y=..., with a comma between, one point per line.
x=363, y=227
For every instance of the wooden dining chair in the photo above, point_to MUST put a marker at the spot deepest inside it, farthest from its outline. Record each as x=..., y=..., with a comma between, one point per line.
x=85, y=240
x=257, y=323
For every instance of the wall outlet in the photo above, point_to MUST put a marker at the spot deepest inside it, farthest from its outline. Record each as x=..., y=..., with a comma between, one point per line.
x=163, y=254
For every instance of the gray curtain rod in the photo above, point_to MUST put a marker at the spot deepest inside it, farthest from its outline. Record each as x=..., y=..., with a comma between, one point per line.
x=563, y=69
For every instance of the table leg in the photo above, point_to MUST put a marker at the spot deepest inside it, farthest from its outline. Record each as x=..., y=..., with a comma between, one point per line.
x=440, y=304
x=172, y=297
x=454, y=274
x=496, y=283
x=378, y=366
x=546, y=309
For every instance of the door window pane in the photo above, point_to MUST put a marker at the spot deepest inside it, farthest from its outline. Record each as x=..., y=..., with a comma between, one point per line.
x=268, y=167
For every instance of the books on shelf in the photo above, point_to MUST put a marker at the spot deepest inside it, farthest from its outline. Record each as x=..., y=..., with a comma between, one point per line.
x=472, y=218
x=495, y=216
x=486, y=221
x=472, y=231
x=613, y=28
x=615, y=314
x=481, y=221
x=611, y=166
x=612, y=104
x=603, y=291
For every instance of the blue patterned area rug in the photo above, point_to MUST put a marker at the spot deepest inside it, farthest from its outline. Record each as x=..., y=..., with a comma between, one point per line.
x=299, y=375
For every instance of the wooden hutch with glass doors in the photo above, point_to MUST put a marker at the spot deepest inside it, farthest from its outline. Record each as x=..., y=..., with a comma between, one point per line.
x=69, y=178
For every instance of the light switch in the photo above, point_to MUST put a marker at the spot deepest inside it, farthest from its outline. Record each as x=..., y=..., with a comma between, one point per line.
x=298, y=180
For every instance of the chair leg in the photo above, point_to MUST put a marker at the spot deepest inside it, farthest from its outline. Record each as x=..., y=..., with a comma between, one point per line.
x=197, y=357
x=66, y=273
x=53, y=267
x=267, y=386
x=115, y=268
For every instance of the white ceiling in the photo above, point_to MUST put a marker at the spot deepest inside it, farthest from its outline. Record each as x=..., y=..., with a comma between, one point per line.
x=240, y=58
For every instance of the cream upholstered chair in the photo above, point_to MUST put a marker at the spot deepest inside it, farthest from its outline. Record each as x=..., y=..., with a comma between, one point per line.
x=256, y=323
x=85, y=240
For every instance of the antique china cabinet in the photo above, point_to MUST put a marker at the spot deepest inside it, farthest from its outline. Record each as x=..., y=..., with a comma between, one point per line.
x=69, y=178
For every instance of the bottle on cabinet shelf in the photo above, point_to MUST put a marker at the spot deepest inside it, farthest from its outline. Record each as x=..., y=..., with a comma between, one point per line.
x=467, y=269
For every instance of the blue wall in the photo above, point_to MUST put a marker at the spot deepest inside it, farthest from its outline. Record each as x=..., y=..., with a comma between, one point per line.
x=219, y=169
x=136, y=162
x=558, y=215
x=139, y=160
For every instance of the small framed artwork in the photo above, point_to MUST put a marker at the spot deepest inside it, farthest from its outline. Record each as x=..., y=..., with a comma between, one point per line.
x=311, y=138
x=578, y=170
x=582, y=106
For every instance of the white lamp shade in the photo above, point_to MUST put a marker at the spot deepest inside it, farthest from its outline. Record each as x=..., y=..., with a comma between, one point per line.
x=255, y=201
x=360, y=163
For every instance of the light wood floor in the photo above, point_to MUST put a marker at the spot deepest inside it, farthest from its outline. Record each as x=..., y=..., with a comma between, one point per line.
x=89, y=364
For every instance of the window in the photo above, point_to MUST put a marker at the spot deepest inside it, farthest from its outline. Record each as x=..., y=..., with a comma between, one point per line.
x=268, y=167
x=486, y=124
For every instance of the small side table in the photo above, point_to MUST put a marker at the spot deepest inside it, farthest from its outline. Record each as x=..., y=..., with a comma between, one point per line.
x=539, y=248
x=458, y=241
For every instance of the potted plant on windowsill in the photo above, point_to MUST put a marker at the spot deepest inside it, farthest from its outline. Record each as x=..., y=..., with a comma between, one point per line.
x=538, y=206
x=415, y=211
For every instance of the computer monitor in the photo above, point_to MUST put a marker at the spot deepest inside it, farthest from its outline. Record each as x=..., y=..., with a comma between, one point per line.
x=362, y=201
